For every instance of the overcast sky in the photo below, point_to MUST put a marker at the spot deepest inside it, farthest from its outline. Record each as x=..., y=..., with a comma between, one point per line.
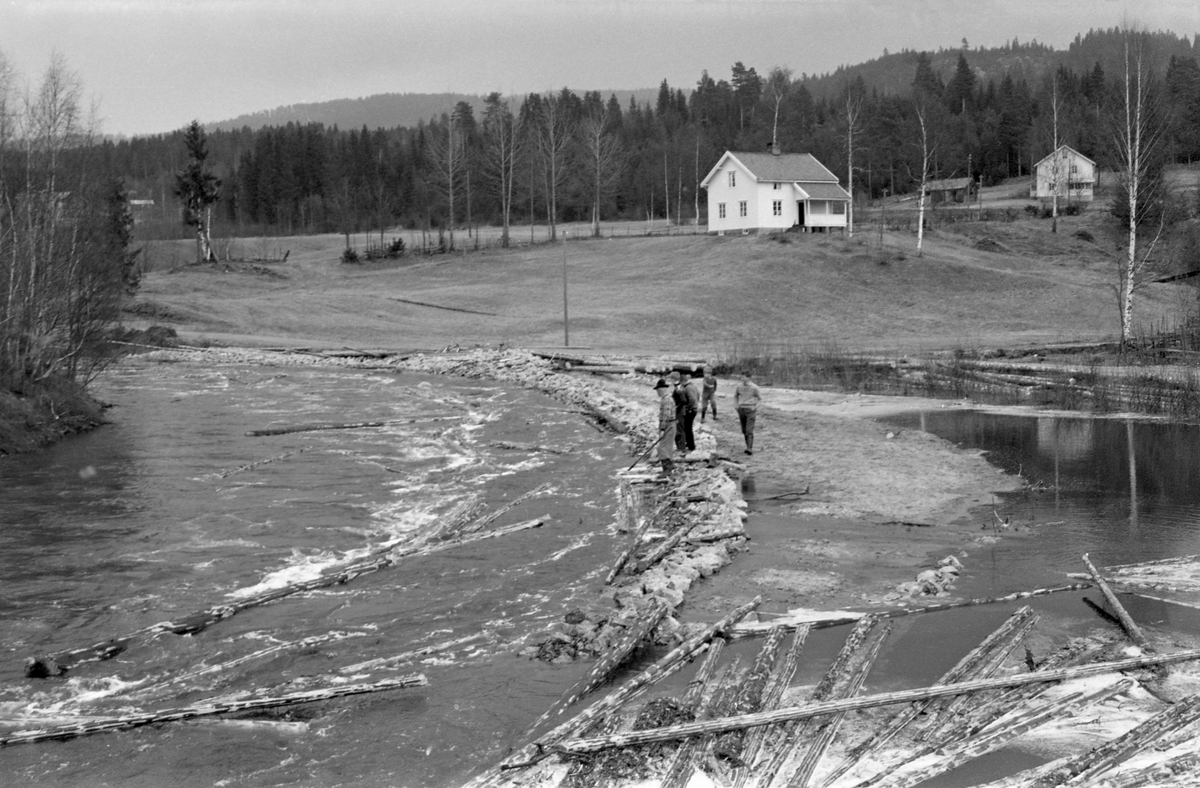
x=153, y=65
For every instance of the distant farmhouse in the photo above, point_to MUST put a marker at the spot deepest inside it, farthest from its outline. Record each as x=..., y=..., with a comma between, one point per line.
x=950, y=190
x=141, y=210
x=770, y=192
x=1073, y=173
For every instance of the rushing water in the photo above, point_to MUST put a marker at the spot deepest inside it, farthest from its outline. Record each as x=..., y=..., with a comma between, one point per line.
x=157, y=515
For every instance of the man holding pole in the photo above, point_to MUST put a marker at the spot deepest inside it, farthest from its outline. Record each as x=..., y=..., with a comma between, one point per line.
x=666, y=425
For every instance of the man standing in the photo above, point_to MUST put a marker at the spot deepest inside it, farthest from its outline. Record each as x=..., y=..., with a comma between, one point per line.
x=708, y=395
x=666, y=426
x=691, y=403
x=746, y=398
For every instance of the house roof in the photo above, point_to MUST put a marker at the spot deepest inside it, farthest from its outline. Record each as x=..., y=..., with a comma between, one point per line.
x=784, y=168
x=822, y=191
x=1067, y=148
x=947, y=184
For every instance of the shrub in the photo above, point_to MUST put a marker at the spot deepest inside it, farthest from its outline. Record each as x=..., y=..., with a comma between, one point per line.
x=350, y=255
x=1084, y=235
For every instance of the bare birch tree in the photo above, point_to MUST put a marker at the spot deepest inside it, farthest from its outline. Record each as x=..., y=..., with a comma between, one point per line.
x=501, y=149
x=198, y=189
x=553, y=134
x=854, y=102
x=448, y=157
x=1056, y=163
x=928, y=150
x=1136, y=137
x=603, y=160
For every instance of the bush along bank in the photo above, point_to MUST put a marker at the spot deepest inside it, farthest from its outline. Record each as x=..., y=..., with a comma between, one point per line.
x=680, y=530
x=41, y=413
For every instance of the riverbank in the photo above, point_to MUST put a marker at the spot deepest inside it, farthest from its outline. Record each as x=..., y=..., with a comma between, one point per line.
x=42, y=413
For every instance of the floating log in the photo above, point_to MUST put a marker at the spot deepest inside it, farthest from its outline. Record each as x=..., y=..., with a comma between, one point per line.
x=1161, y=773
x=753, y=628
x=1090, y=765
x=756, y=738
x=609, y=661
x=207, y=708
x=964, y=668
x=795, y=733
x=731, y=746
x=1127, y=623
x=250, y=465
x=802, y=774
x=672, y=661
x=266, y=652
x=408, y=656
x=487, y=520
x=1183, y=559
x=867, y=702
x=57, y=663
x=680, y=768
x=993, y=739
x=353, y=425
x=530, y=447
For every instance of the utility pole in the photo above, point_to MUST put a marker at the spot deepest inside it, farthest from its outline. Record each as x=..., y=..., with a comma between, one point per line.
x=566, y=330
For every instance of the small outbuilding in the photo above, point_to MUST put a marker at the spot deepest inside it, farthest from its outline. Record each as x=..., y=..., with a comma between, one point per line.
x=1067, y=172
x=950, y=190
x=772, y=192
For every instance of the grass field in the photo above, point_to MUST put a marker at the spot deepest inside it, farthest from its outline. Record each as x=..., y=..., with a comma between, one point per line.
x=978, y=285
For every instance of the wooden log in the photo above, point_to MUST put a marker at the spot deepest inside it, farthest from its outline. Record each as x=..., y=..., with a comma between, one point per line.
x=634, y=542
x=796, y=732
x=529, y=447
x=730, y=746
x=250, y=465
x=260, y=654
x=1091, y=765
x=1164, y=773
x=667, y=665
x=682, y=764
x=1127, y=623
x=353, y=425
x=664, y=548
x=487, y=520
x=756, y=738
x=753, y=629
x=1182, y=559
x=408, y=656
x=724, y=699
x=609, y=661
x=801, y=775
x=128, y=721
x=996, y=737
x=438, y=306
x=869, y=701
x=943, y=714
x=64, y=660
x=962, y=669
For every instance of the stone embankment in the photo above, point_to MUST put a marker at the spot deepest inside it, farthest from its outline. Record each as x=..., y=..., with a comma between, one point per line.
x=681, y=530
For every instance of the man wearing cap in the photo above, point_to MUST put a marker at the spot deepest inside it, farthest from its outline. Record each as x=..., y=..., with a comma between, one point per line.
x=666, y=425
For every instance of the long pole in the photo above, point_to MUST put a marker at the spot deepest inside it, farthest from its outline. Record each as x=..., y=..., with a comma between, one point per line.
x=566, y=329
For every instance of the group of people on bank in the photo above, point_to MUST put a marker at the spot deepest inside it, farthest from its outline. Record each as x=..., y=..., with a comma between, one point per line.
x=681, y=397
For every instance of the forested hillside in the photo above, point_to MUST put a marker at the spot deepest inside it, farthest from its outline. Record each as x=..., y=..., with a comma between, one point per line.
x=569, y=157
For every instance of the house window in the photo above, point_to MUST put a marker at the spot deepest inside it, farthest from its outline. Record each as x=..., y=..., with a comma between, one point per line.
x=720, y=210
x=839, y=207
x=742, y=208
x=732, y=179
x=775, y=186
x=777, y=208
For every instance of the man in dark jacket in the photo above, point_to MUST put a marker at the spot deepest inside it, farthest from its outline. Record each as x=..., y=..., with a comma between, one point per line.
x=690, y=405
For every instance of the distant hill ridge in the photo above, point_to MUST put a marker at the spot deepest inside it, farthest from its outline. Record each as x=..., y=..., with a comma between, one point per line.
x=385, y=110
x=891, y=73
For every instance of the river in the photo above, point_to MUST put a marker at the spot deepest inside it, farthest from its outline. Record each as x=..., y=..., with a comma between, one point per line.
x=172, y=508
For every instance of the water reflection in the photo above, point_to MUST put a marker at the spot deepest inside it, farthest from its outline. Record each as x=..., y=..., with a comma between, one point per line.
x=1124, y=489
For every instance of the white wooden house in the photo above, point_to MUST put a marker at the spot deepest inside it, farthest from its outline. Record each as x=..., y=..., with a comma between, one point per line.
x=772, y=192
x=1066, y=171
